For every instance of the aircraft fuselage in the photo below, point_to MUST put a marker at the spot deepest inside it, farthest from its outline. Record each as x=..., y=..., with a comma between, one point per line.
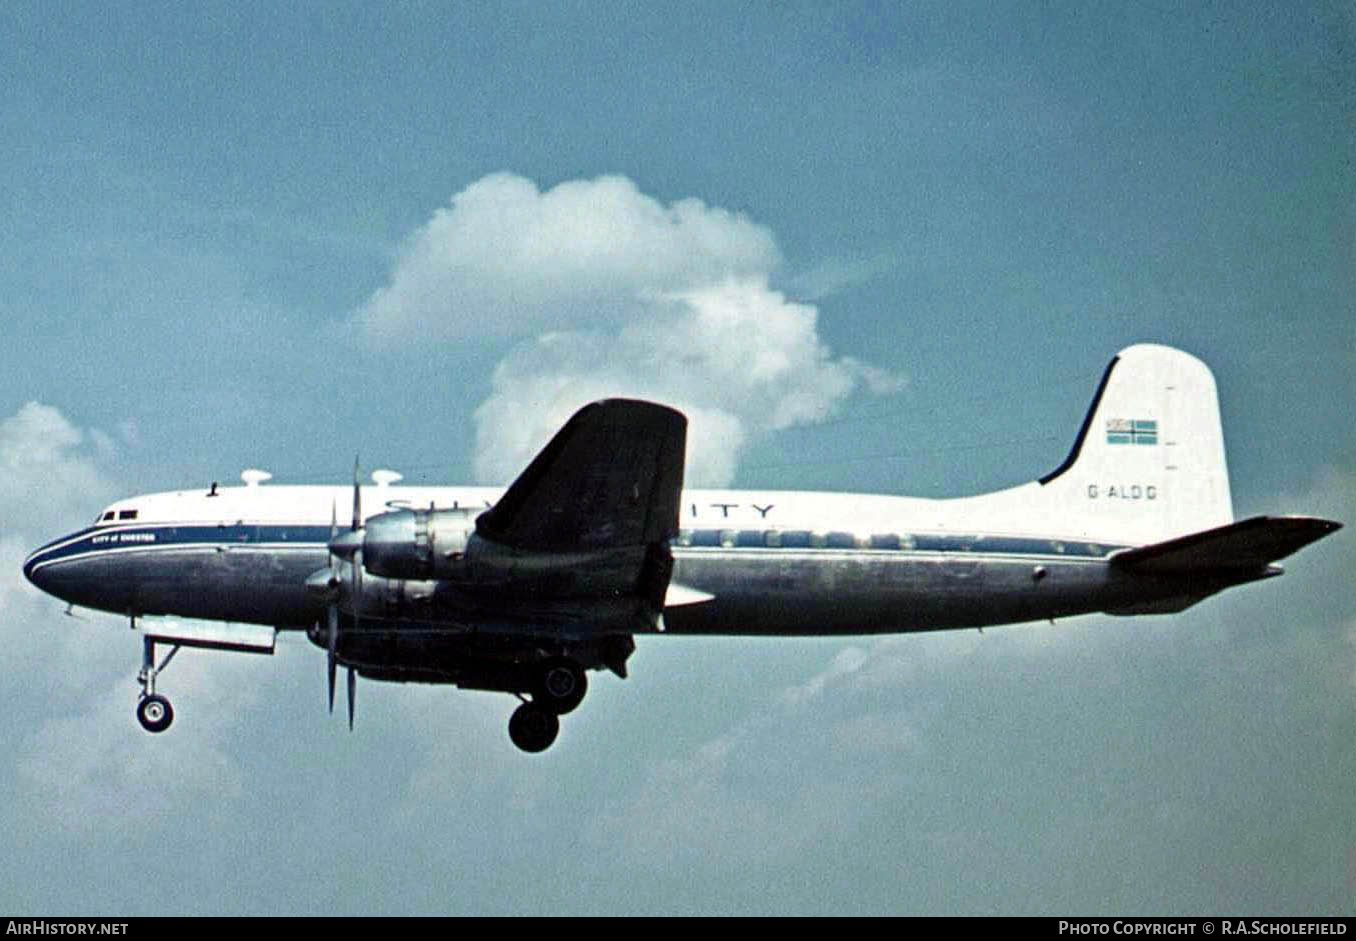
x=773, y=563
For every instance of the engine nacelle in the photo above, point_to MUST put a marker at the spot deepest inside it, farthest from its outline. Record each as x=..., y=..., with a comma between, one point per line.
x=418, y=544
x=443, y=546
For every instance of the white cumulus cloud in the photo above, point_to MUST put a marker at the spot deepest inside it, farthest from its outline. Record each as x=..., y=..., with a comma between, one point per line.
x=51, y=476
x=738, y=358
x=625, y=296
x=507, y=258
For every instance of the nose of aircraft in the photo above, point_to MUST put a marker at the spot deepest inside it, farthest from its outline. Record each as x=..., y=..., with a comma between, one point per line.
x=35, y=573
x=74, y=569
x=40, y=570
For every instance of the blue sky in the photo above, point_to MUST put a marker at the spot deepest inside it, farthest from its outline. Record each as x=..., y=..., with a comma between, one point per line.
x=868, y=247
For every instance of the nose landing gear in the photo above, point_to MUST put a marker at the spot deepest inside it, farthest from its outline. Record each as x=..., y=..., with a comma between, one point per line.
x=154, y=712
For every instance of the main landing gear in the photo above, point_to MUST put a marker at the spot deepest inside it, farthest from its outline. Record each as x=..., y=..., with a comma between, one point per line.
x=154, y=712
x=560, y=687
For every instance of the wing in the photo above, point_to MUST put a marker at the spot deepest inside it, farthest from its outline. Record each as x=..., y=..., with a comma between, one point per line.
x=1247, y=545
x=609, y=479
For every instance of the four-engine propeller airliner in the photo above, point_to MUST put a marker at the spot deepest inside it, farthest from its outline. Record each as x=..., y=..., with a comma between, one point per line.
x=524, y=590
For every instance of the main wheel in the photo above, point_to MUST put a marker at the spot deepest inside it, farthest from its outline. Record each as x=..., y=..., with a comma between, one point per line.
x=532, y=728
x=155, y=713
x=561, y=686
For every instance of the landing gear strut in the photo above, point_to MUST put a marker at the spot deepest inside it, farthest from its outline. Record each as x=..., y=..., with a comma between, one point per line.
x=154, y=712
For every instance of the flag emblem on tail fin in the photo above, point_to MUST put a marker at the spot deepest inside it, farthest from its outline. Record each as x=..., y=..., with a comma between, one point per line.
x=1131, y=431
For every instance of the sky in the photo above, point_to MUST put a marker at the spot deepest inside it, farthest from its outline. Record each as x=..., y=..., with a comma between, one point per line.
x=869, y=247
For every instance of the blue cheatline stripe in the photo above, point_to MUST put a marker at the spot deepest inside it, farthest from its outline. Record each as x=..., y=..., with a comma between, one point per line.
x=177, y=536
x=144, y=537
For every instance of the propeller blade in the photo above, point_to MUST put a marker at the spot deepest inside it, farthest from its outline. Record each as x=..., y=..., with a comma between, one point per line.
x=332, y=609
x=357, y=498
x=354, y=545
x=357, y=584
x=334, y=519
x=333, y=644
x=352, y=687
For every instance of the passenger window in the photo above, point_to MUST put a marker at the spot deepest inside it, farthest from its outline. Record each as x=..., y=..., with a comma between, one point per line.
x=794, y=539
x=750, y=539
x=888, y=541
x=841, y=541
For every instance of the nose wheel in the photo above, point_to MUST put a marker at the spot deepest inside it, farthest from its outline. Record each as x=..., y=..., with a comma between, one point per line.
x=154, y=711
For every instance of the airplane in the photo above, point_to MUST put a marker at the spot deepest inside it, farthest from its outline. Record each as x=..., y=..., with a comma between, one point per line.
x=526, y=589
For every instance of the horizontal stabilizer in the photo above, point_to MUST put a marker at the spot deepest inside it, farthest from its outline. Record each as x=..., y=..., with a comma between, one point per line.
x=1243, y=546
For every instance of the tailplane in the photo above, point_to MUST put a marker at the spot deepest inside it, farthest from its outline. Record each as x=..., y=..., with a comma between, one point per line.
x=1250, y=545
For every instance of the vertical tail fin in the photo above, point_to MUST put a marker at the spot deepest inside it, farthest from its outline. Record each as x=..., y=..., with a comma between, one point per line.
x=1149, y=462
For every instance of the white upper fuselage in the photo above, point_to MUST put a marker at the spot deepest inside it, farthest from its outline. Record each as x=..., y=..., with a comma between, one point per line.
x=1005, y=513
